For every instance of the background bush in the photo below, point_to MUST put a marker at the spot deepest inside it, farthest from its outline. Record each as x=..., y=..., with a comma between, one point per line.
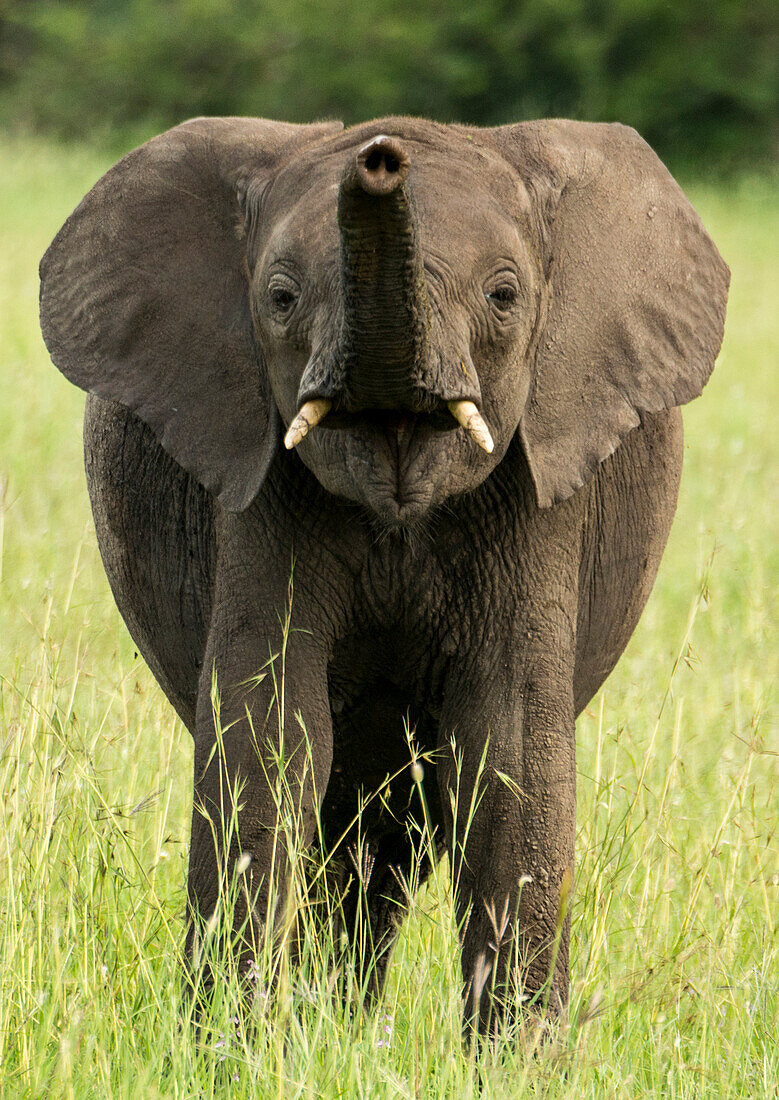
x=697, y=78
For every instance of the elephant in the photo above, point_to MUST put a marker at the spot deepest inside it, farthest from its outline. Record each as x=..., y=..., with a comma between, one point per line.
x=427, y=379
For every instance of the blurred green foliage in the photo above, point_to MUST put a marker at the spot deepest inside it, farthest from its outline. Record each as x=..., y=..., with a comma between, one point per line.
x=697, y=78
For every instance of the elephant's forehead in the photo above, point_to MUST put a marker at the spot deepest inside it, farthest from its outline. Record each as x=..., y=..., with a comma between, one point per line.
x=461, y=194
x=444, y=166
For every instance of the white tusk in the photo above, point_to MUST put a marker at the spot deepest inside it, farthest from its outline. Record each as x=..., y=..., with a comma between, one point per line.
x=308, y=418
x=466, y=413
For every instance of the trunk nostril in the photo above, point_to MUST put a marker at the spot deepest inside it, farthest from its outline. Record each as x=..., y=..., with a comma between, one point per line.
x=382, y=165
x=377, y=161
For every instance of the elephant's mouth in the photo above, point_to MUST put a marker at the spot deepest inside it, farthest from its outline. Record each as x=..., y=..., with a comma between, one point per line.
x=322, y=412
x=393, y=422
x=392, y=460
x=391, y=456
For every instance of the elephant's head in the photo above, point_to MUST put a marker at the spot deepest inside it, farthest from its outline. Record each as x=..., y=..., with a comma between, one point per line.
x=402, y=293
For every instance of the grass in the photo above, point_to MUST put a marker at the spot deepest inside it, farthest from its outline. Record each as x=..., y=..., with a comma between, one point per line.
x=674, y=936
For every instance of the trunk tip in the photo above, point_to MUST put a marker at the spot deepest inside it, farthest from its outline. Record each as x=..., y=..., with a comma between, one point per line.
x=382, y=164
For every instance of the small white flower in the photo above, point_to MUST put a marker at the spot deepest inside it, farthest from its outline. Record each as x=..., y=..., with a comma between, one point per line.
x=243, y=863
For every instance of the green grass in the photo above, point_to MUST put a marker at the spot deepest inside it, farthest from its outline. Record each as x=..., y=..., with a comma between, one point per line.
x=674, y=940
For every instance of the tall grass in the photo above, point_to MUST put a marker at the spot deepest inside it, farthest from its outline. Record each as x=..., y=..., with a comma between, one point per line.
x=674, y=926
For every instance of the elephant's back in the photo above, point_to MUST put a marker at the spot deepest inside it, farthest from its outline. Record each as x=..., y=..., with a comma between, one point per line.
x=156, y=533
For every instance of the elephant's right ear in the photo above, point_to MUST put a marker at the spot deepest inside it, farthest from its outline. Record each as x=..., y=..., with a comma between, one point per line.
x=144, y=296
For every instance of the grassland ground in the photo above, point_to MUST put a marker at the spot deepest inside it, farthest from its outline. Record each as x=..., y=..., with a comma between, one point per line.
x=674, y=986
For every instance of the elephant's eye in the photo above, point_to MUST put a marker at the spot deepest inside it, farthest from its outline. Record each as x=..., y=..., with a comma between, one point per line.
x=283, y=295
x=503, y=296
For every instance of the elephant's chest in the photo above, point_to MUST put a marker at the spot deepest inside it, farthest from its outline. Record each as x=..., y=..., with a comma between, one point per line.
x=414, y=598
x=416, y=604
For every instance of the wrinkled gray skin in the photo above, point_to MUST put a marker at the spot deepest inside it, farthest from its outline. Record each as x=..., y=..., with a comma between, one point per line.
x=231, y=269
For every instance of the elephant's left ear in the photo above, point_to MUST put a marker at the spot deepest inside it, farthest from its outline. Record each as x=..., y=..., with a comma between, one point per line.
x=636, y=294
x=145, y=295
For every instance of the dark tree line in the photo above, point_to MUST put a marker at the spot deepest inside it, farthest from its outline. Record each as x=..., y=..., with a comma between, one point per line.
x=697, y=78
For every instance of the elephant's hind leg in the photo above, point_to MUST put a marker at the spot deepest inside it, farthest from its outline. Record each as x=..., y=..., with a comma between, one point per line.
x=155, y=531
x=380, y=853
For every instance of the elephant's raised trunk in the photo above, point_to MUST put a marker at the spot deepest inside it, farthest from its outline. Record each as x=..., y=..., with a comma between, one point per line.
x=386, y=310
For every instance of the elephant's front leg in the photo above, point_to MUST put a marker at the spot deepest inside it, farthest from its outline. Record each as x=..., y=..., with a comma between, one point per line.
x=512, y=836
x=263, y=749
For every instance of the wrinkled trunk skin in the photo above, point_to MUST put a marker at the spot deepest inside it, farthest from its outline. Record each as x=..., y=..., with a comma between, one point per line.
x=386, y=310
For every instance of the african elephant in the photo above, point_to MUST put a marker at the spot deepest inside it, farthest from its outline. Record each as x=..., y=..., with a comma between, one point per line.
x=476, y=342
